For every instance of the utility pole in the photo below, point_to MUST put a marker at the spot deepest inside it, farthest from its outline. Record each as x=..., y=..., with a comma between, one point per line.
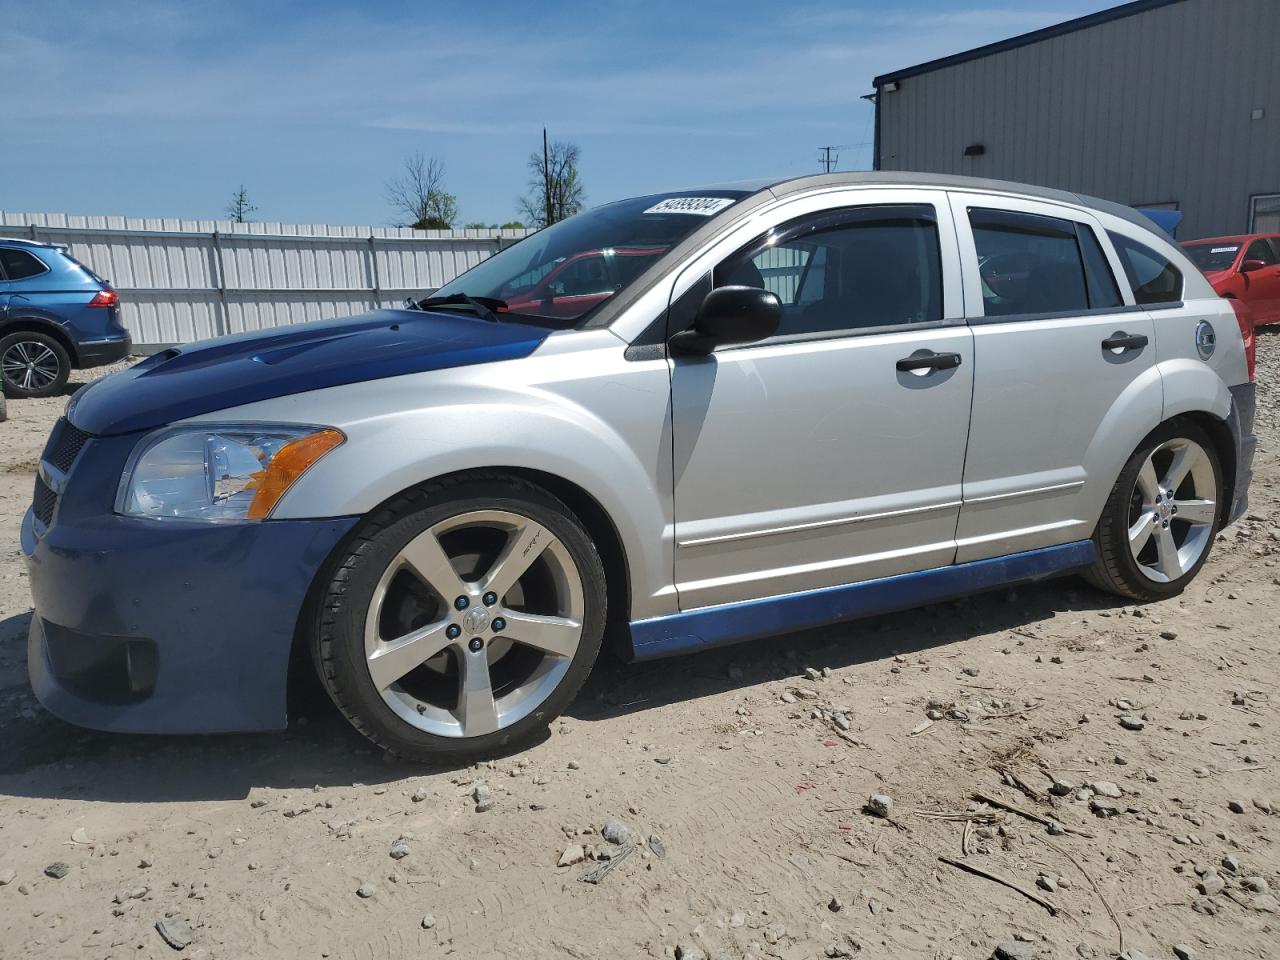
x=826, y=160
x=546, y=175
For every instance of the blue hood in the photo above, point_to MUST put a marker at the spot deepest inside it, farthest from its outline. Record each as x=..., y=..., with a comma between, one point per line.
x=217, y=374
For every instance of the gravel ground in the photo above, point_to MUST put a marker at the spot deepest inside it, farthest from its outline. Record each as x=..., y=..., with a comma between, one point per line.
x=737, y=782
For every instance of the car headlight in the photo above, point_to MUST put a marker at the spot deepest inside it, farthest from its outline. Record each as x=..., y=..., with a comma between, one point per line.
x=219, y=472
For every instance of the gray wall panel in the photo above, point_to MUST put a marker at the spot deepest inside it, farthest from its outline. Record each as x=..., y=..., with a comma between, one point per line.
x=184, y=280
x=1152, y=108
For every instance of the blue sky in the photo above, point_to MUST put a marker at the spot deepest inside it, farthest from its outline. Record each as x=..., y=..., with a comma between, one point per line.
x=149, y=108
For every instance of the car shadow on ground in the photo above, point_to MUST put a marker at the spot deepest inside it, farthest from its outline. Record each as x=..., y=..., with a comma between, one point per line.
x=42, y=757
x=616, y=689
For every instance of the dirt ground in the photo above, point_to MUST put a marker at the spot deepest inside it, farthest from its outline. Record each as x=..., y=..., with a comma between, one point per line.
x=742, y=791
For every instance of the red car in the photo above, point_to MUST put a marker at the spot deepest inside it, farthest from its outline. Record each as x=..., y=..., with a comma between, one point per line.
x=1245, y=268
x=571, y=286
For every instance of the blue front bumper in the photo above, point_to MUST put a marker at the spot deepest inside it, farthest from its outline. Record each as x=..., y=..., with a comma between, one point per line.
x=163, y=626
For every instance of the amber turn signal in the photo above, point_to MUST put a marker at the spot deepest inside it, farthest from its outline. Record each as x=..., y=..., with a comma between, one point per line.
x=293, y=460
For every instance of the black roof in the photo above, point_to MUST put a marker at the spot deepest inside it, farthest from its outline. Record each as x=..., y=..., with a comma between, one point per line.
x=1026, y=39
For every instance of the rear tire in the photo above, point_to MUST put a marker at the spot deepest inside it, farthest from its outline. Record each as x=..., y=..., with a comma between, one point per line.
x=33, y=365
x=463, y=618
x=1161, y=517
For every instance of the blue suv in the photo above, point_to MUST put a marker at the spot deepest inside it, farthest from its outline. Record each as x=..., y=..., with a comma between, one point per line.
x=55, y=315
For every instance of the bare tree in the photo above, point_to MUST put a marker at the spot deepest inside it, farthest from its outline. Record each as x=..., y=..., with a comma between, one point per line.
x=555, y=188
x=238, y=207
x=418, y=195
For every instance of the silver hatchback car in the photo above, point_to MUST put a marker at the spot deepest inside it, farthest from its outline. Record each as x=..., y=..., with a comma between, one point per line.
x=683, y=420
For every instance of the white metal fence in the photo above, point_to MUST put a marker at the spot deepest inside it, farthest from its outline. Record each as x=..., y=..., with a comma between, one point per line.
x=183, y=280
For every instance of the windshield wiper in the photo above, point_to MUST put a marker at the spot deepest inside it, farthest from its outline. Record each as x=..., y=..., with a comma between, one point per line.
x=484, y=306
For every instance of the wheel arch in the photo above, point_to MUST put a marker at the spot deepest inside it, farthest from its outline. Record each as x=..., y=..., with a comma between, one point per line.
x=302, y=682
x=28, y=324
x=1224, y=446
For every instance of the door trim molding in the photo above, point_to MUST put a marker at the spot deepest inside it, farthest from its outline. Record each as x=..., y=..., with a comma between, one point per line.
x=1034, y=491
x=813, y=525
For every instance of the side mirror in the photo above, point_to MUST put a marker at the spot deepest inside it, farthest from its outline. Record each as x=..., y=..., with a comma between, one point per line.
x=730, y=315
x=1251, y=265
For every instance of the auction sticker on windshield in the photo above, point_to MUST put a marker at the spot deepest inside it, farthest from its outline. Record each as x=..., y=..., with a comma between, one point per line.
x=699, y=206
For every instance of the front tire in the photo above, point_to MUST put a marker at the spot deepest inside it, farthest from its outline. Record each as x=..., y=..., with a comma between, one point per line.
x=33, y=365
x=463, y=618
x=1161, y=518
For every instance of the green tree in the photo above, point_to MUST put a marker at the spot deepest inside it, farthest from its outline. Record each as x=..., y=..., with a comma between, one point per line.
x=418, y=195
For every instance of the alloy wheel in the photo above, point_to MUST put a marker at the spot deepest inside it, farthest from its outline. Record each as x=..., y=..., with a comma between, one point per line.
x=30, y=365
x=474, y=623
x=1172, y=510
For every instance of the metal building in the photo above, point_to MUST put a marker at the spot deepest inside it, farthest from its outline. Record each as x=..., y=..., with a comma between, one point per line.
x=1167, y=104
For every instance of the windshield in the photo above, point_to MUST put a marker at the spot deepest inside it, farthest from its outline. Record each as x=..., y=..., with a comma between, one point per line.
x=565, y=271
x=1212, y=256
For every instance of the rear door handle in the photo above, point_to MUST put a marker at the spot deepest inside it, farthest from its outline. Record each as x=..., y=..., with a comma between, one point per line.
x=1122, y=341
x=927, y=360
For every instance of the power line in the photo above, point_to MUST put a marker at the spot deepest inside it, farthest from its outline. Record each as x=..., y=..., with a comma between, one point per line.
x=827, y=162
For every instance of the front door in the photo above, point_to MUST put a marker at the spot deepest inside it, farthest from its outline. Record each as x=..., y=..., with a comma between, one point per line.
x=833, y=451
x=1055, y=348
x=1262, y=284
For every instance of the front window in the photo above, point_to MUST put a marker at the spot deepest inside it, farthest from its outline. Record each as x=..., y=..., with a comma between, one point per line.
x=847, y=270
x=1211, y=257
x=1261, y=251
x=560, y=274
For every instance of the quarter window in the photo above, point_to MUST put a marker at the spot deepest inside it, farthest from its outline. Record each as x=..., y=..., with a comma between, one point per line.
x=847, y=270
x=1153, y=278
x=1032, y=264
x=18, y=264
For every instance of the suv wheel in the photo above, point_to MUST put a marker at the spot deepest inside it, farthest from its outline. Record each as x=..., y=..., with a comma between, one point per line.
x=1162, y=515
x=33, y=365
x=462, y=620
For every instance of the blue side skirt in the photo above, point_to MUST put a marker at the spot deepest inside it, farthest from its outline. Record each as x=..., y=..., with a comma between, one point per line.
x=734, y=622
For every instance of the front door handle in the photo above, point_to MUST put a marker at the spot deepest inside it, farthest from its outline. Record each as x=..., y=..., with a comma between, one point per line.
x=924, y=361
x=1121, y=341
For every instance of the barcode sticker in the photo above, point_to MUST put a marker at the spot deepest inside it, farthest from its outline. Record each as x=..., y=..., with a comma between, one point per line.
x=698, y=206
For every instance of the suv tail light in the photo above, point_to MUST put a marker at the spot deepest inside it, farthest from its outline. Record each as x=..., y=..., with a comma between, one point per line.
x=105, y=298
x=1245, y=319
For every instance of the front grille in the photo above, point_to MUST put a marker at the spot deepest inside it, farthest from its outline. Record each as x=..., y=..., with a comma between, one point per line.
x=60, y=453
x=64, y=445
x=44, y=501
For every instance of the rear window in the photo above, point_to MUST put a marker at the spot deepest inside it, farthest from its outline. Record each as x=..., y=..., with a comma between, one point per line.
x=70, y=259
x=1154, y=279
x=18, y=264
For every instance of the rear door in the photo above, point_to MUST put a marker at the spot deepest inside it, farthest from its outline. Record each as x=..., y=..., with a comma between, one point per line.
x=831, y=452
x=1059, y=351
